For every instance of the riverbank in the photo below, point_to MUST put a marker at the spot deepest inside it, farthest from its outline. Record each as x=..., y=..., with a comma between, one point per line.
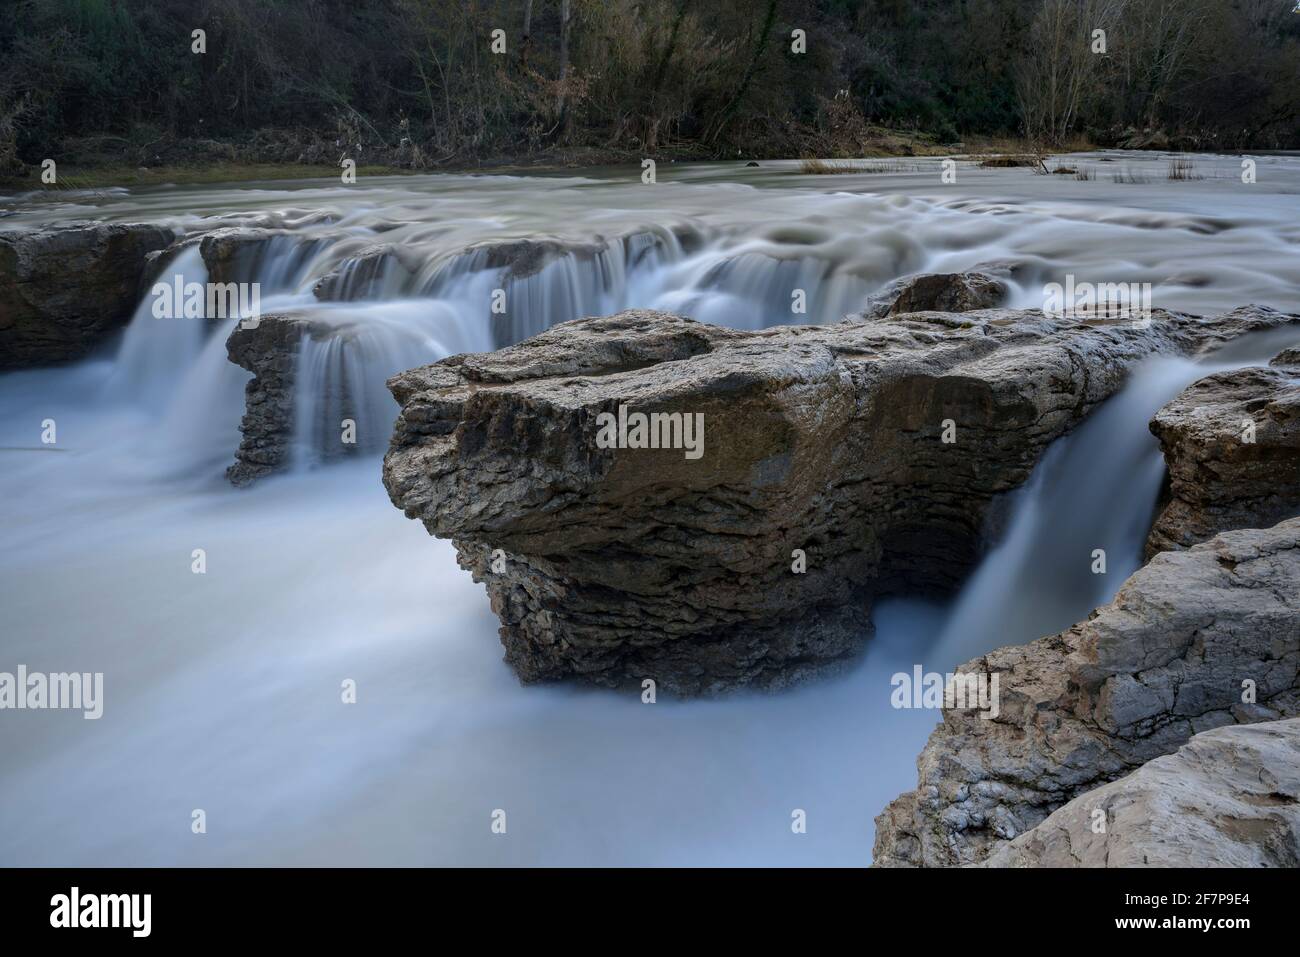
x=90, y=164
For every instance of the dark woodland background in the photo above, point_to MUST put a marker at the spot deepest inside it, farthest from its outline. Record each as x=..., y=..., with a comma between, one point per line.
x=414, y=82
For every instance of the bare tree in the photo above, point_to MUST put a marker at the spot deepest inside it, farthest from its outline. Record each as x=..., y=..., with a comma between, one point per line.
x=1160, y=39
x=566, y=14
x=760, y=45
x=528, y=33
x=1063, y=64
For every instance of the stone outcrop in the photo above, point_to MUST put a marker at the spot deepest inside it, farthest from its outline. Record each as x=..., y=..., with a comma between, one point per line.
x=65, y=288
x=1230, y=797
x=528, y=257
x=240, y=253
x=270, y=350
x=366, y=274
x=1232, y=445
x=1195, y=640
x=938, y=292
x=822, y=444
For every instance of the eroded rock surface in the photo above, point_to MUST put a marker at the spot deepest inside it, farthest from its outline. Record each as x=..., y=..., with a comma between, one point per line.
x=938, y=292
x=243, y=253
x=64, y=289
x=366, y=274
x=1232, y=445
x=621, y=564
x=1230, y=797
x=1195, y=640
x=270, y=349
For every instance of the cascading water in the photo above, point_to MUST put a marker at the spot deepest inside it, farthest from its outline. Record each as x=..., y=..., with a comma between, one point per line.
x=1080, y=523
x=222, y=689
x=342, y=376
x=157, y=352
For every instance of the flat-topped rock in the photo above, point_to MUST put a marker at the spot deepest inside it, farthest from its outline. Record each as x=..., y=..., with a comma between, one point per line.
x=64, y=289
x=837, y=463
x=1232, y=445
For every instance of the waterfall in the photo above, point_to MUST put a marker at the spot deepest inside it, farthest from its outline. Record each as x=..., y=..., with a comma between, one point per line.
x=341, y=375
x=156, y=353
x=1092, y=496
x=384, y=316
x=222, y=689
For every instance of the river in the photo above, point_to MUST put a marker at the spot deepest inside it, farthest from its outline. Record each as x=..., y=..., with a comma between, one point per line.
x=222, y=689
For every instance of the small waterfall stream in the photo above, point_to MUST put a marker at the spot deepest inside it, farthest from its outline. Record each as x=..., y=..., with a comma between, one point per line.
x=1093, y=491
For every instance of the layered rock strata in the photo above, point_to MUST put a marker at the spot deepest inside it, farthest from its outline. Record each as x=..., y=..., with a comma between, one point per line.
x=270, y=349
x=1232, y=445
x=1195, y=640
x=64, y=289
x=869, y=451
x=1230, y=797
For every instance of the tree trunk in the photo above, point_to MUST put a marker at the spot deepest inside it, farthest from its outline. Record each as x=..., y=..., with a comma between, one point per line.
x=565, y=13
x=653, y=117
x=760, y=45
x=528, y=33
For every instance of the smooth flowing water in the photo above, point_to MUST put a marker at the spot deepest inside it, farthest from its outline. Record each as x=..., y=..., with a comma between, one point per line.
x=222, y=690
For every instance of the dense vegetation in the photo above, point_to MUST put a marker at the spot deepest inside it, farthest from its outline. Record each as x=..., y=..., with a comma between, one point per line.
x=417, y=81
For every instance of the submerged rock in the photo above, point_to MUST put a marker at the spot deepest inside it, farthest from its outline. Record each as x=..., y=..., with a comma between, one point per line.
x=1232, y=445
x=1195, y=640
x=837, y=463
x=527, y=257
x=1230, y=797
x=938, y=292
x=365, y=275
x=65, y=288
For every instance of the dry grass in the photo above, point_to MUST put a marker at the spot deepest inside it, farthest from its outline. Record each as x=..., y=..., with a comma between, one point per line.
x=819, y=167
x=1085, y=174
x=1009, y=161
x=1183, y=169
x=1127, y=175
x=104, y=176
x=1021, y=146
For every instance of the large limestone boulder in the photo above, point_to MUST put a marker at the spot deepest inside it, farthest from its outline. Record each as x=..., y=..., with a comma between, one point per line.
x=1195, y=640
x=1232, y=445
x=64, y=289
x=869, y=452
x=1230, y=797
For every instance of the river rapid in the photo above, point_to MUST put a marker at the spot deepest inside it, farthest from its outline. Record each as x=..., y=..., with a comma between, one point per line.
x=222, y=690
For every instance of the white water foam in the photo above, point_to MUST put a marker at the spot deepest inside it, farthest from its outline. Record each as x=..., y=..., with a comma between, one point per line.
x=222, y=690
